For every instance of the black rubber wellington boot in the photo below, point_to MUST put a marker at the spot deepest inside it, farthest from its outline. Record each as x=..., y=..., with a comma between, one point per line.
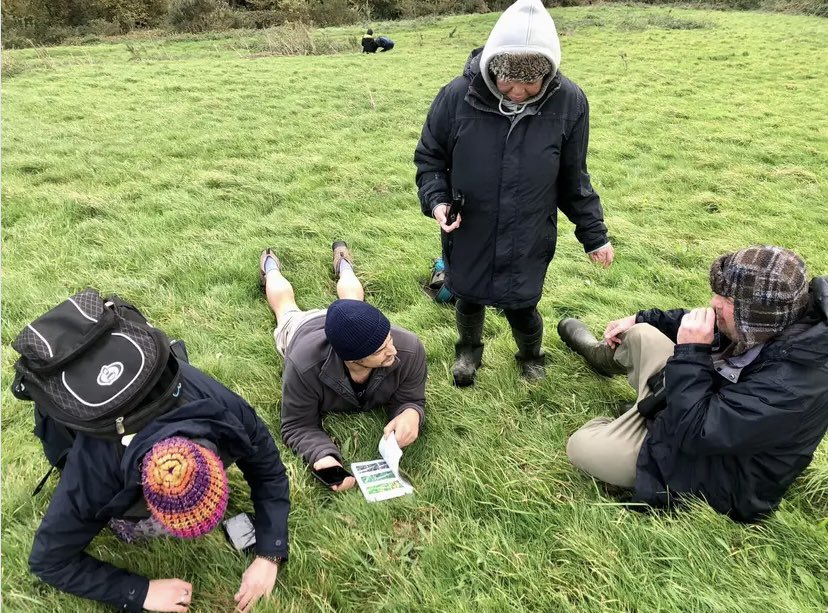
x=530, y=356
x=468, y=351
x=599, y=355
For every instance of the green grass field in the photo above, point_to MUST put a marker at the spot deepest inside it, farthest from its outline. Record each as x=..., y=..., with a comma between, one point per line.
x=159, y=170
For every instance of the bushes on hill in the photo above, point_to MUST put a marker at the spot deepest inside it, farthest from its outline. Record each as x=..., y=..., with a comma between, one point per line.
x=200, y=15
x=45, y=22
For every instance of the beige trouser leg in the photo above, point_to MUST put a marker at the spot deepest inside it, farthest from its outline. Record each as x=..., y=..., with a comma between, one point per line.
x=608, y=448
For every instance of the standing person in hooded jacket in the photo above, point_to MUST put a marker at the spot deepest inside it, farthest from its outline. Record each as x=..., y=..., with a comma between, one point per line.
x=732, y=399
x=169, y=480
x=510, y=137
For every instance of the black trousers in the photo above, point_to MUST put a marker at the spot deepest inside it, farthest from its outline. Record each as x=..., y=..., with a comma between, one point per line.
x=525, y=321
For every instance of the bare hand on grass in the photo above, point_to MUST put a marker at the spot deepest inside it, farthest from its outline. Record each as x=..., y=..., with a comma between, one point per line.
x=604, y=256
x=258, y=580
x=168, y=595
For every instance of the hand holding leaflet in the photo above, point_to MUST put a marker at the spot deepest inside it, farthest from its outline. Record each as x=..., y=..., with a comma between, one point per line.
x=380, y=479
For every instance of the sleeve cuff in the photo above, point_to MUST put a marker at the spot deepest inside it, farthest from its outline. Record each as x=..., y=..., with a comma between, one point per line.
x=324, y=452
x=443, y=199
x=135, y=593
x=639, y=317
x=691, y=349
x=606, y=244
x=277, y=548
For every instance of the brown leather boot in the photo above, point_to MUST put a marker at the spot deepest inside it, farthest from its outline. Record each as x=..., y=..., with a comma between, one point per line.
x=599, y=355
x=340, y=252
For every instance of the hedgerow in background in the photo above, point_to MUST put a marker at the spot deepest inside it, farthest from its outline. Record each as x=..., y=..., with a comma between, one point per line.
x=29, y=23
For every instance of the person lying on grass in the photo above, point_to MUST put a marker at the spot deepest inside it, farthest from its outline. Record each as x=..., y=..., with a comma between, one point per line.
x=169, y=480
x=345, y=358
x=745, y=389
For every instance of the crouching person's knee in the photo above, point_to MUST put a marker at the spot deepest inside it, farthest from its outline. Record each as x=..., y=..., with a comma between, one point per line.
x=639, y=332
x=596, y=451
x=580, y=445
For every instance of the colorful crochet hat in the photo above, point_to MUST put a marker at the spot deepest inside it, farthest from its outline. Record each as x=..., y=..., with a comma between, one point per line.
x=185, y=486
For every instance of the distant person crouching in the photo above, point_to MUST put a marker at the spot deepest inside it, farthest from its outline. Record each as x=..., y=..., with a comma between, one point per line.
x=371, y=44
x=385, y=43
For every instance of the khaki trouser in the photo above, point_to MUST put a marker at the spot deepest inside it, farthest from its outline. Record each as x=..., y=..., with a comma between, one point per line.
x=608, y=448
x=289, y=324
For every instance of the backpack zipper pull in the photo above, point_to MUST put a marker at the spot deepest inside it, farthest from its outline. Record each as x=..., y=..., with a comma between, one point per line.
x=119, y=425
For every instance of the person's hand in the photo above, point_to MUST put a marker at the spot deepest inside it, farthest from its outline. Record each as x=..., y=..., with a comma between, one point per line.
x=604, y=256
x=697, y=327
x=440, y=213
x=168, y=595
x=614, y=330
x=329, y=461
x=257, y=581
x=405, y=426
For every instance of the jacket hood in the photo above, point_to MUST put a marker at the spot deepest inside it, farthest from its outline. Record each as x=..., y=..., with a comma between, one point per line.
x=472, y=67
x=807, y=342
x=200, y=420
x=526, y=27
x=195, y=420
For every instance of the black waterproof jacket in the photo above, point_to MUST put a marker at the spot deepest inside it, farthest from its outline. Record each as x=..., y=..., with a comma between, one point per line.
x=101, y=481
x=738, y=445
x=515, y=175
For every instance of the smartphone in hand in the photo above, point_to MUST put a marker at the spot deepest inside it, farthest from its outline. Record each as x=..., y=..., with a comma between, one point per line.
x=458, y=200
x=331, y=476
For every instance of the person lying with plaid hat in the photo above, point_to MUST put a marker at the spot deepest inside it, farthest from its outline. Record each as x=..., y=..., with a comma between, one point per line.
x=732, y=398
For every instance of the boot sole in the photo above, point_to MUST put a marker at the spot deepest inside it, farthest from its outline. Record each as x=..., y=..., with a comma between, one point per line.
x=463, y=381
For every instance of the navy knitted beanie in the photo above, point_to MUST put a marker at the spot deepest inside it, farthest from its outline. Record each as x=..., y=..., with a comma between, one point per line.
x=355, y=329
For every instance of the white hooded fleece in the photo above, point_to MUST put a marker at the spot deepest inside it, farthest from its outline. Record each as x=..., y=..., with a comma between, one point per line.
x=526, y=27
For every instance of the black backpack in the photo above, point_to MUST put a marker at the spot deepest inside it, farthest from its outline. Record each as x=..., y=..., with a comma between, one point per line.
x=96, y=366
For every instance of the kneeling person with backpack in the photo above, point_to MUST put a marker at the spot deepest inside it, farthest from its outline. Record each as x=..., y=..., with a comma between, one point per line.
x=147, y=440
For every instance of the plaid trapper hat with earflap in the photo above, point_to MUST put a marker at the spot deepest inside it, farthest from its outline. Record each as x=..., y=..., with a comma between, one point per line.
x=769, y=288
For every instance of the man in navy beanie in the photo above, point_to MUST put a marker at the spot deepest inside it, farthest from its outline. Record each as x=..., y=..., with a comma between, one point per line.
x=345, y=358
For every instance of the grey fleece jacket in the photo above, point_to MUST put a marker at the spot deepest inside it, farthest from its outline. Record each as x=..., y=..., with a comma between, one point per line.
x=314, y=383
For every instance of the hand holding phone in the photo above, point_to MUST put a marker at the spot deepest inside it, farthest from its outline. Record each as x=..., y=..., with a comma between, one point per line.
x=458, y=201
x=332, y=475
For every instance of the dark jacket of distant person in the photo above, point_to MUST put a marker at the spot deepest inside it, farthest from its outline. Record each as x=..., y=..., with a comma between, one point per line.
x=369, y=45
